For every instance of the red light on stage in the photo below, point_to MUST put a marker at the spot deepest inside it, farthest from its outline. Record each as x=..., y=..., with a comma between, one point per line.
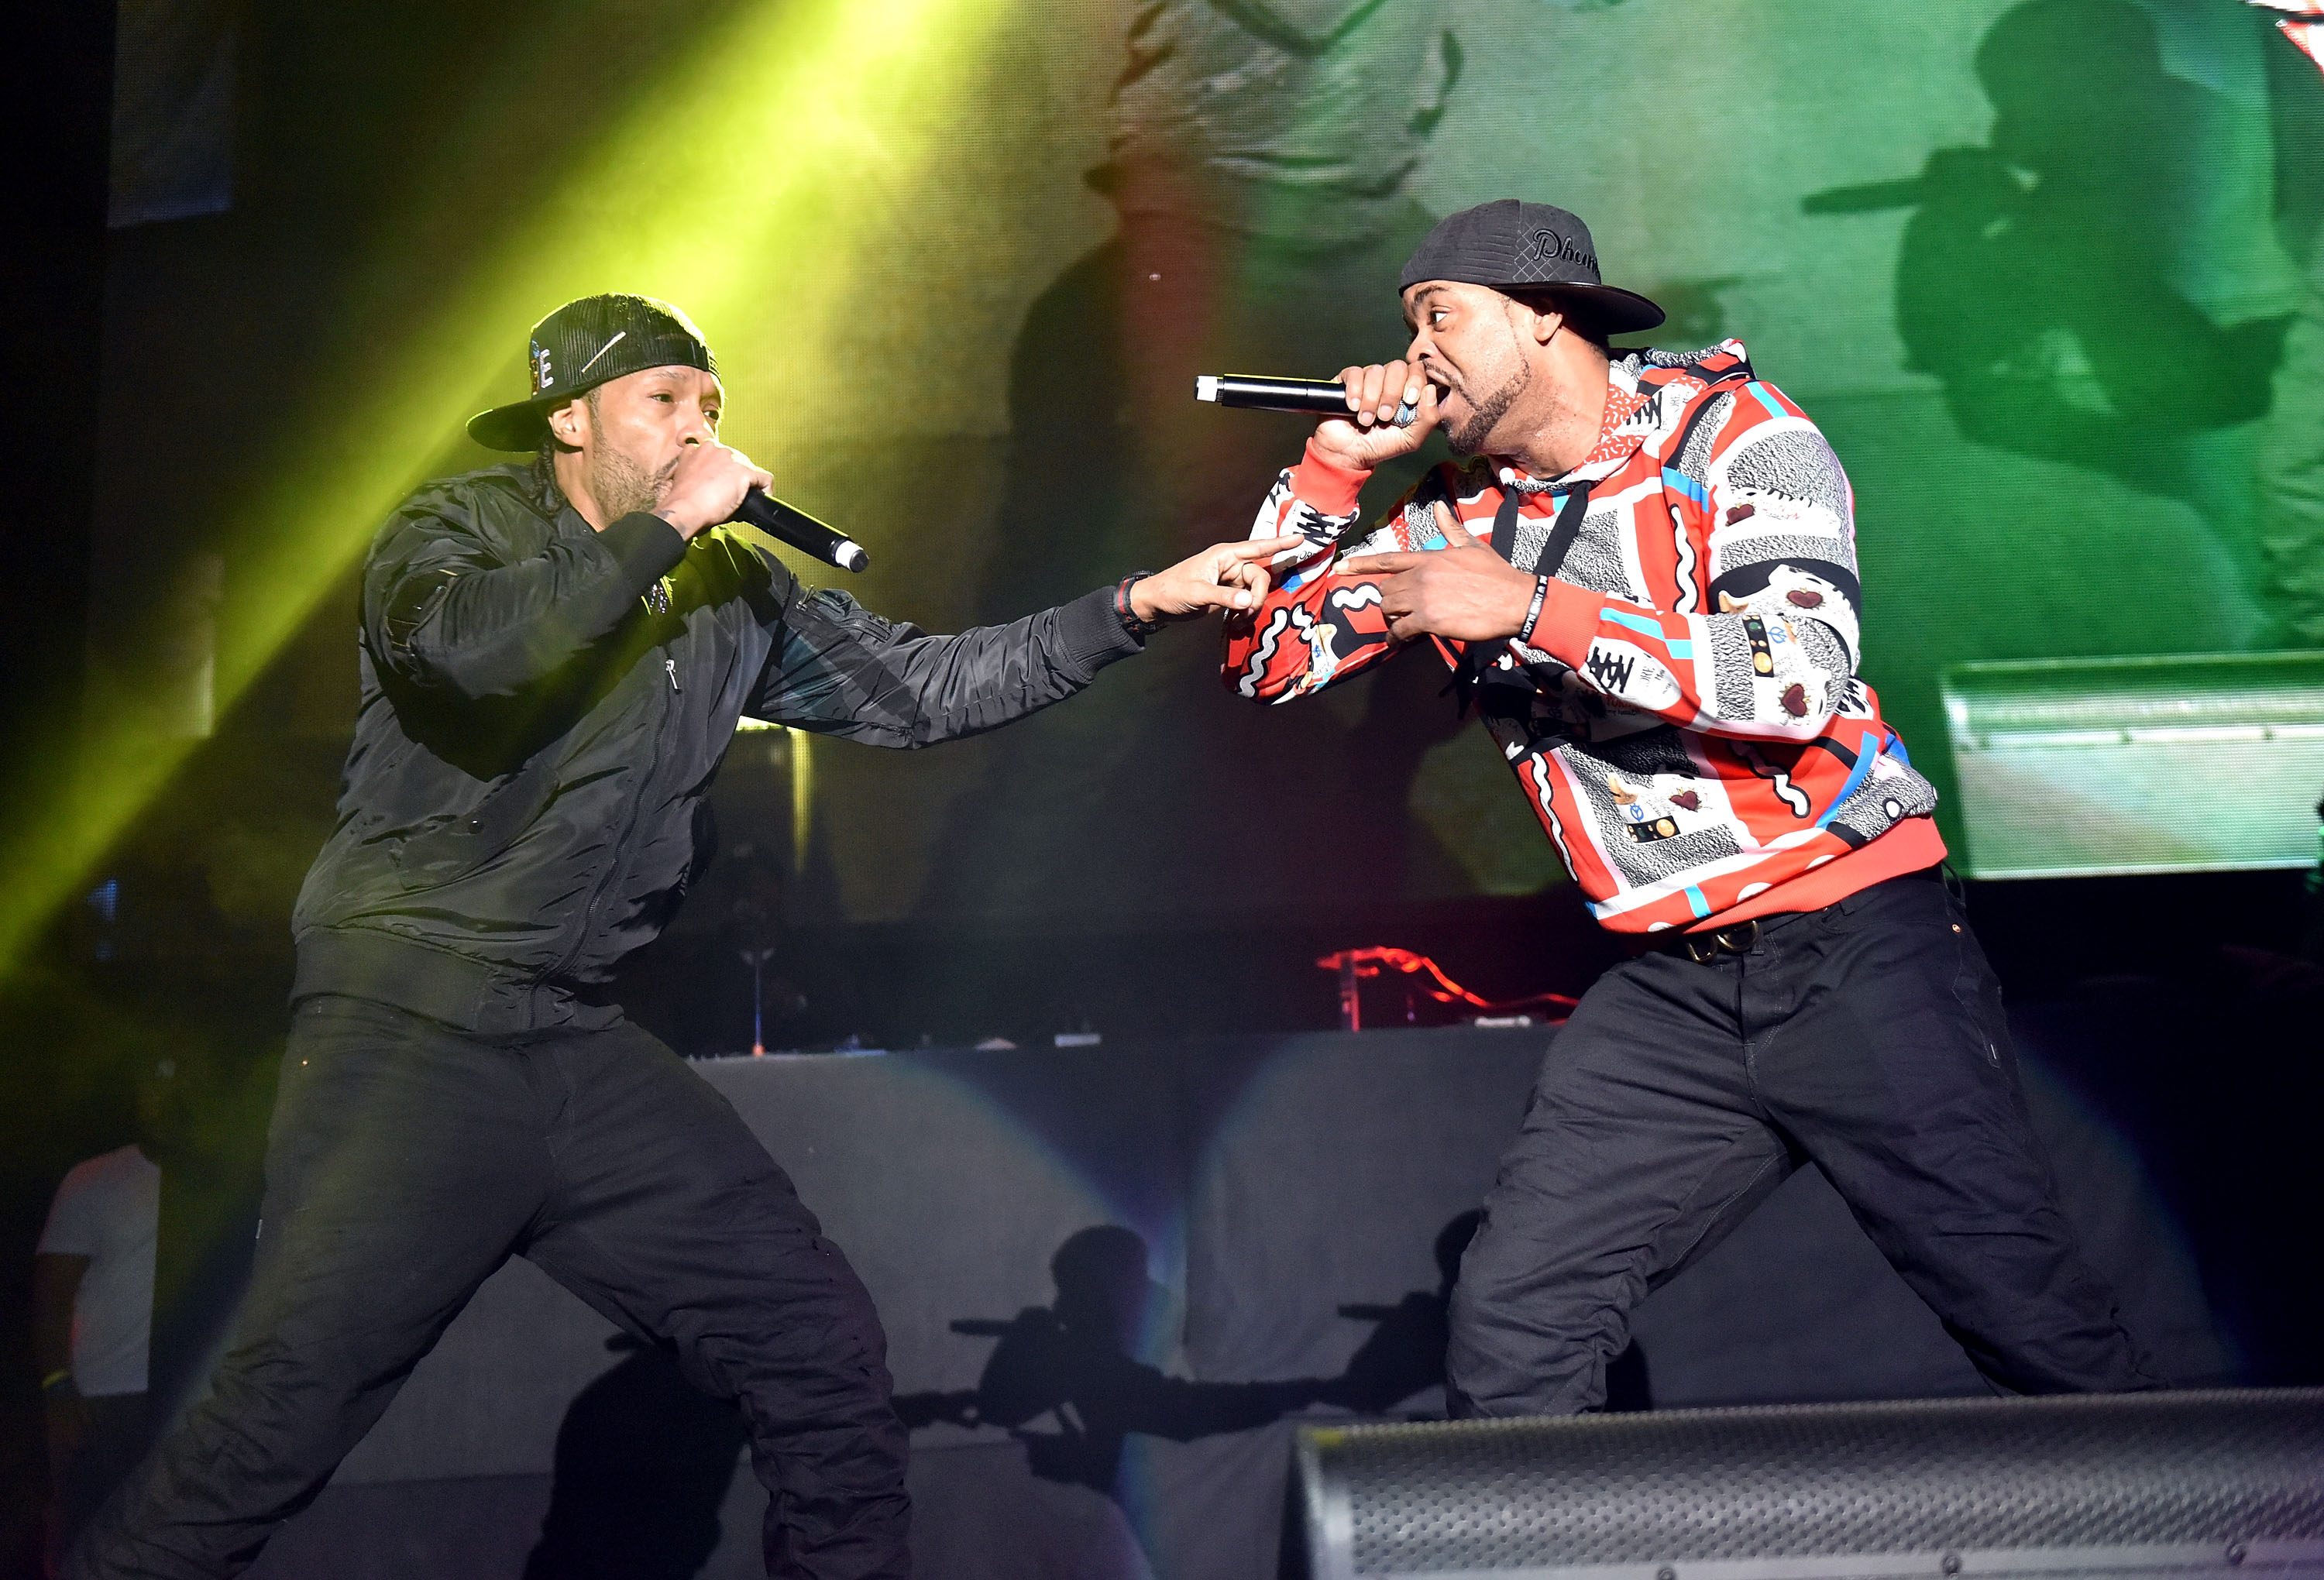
x=1354, y=965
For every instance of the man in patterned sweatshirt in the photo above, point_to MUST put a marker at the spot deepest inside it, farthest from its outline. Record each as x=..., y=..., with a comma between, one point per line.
x=1643, y=573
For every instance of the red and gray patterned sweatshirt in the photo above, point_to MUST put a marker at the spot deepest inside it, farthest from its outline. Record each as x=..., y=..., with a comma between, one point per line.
x=1689, y=725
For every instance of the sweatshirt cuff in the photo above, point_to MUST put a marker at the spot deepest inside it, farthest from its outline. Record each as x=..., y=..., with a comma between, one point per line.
x=645, y=546
x=1325, y=486
x=1568, y=623
x=1092, y=635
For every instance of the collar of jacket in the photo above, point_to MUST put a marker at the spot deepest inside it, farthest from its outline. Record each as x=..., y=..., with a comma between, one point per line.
x=541, y=492
x=1634, y=413
x=546, y=496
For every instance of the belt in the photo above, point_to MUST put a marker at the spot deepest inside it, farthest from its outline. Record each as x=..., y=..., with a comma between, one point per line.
x=1738, y=938
x=1743, y=937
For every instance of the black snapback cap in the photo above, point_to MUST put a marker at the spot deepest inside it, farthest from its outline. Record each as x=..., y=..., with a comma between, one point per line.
x=1510, y=245
x=581, y=345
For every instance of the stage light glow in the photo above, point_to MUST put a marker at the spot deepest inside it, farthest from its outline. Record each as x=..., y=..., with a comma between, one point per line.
x=802, y=797
x=745, y=186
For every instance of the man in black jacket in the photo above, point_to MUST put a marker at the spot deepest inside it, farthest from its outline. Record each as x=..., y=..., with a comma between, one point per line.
x=554, y=657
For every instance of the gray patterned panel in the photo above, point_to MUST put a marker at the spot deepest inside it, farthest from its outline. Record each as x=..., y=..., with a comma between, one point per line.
x=1694, y=455
x=1662, y=859
x=1595, y=560
x=1878, y=806
x=1730, y=1485
x=1648, y=753
x=1828, y=653
x=1655, y=358
x=1526, y=541
x=1730, y=552
x=1730, y=670
x=1798, y=465
x=1640, y=863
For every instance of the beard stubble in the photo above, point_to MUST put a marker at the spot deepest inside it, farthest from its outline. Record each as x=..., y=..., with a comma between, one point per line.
x=622, y=486
x=1469, y=437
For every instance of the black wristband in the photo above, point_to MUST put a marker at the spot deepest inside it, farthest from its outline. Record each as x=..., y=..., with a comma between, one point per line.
x=1533, y=611
x=1136, y=627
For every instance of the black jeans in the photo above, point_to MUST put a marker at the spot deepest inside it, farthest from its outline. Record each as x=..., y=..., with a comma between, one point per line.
x=406, y=1162
x=117, y=1437
x=1867, y=1038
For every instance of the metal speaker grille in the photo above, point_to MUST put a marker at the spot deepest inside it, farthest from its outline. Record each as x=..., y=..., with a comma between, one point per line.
x=1805, y=1480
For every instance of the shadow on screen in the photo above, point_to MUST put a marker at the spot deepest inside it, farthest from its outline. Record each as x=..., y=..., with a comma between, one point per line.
x=643, y=1462
x=2042, y=275
x=1066, y=1381
x=1260, y=175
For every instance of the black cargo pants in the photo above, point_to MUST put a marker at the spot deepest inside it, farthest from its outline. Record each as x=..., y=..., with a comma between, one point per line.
x=406, y=1162
x=1866, y=1038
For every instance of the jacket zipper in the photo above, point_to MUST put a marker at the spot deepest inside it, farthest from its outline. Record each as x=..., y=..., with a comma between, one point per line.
x=621, y=846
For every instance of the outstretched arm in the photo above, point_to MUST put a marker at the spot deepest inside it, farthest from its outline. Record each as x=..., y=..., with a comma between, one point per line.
x=839, y=669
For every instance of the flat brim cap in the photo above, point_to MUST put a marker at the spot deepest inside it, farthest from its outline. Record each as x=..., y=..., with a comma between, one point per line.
x=583, y=345
x=1511, y=245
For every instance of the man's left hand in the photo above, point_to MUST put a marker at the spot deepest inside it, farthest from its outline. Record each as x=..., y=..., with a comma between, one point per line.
x=1232, y=576
x=1463, y=592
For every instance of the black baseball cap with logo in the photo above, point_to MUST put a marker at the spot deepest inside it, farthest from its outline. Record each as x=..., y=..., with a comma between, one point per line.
x=583, y=345
x=1510, y=246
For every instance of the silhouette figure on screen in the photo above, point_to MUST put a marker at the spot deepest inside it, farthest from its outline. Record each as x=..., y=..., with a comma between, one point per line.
x=2083, y=285
x=1075, y=1362
x=643, y=1462
x=1404, y=1354
x=1259, y=167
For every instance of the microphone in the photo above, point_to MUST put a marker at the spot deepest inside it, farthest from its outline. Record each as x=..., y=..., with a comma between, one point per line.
x=1327, y=397
x=801, y=530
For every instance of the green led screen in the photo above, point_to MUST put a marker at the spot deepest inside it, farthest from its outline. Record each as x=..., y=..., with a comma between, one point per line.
x=2046, y=271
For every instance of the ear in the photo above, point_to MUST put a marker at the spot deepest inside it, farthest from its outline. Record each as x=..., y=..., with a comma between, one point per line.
x=570, y=423
x=1547, y=320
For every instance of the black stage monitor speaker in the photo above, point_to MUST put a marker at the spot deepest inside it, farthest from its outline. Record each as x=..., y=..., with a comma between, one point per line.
x=2124, y=1487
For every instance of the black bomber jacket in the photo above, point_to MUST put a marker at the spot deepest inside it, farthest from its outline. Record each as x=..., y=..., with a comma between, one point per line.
x=543, y=709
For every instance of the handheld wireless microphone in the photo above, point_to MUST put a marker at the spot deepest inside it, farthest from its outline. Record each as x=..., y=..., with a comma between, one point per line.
x=1325, y=396
x=801, y=530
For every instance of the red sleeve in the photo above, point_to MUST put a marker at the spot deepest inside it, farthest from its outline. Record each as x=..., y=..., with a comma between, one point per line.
x=1317, y=627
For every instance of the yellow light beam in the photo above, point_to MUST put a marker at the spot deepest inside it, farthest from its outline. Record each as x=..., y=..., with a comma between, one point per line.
x=747, y=185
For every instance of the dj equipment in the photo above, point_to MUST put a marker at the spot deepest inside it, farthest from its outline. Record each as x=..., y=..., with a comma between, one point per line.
x=2140, y=1486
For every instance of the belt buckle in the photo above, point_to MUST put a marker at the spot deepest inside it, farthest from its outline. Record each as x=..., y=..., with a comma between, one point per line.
x=1704, y=948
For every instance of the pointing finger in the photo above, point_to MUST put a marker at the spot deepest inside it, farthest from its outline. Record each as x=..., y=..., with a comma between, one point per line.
x=1244, y=585
x=1377, y=565
x=1263, y=547
x=1233, y=596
